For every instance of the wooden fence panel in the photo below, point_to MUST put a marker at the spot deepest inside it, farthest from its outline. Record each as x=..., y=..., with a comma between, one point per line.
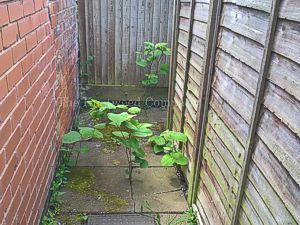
x=246, y=169
x=114, y=30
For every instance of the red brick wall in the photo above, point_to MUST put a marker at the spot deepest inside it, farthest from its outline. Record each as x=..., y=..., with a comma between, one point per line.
x=38, y=68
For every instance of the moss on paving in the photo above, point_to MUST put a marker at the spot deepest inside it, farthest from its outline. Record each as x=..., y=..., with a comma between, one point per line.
x=83, y=181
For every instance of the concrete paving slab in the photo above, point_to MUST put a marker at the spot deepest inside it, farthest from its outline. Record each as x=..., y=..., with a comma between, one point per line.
x=102, y=154
x=160, y=187
x=97, y=190
x=118, y=219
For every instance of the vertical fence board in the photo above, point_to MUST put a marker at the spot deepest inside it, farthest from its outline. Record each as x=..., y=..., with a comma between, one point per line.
x=114, y=30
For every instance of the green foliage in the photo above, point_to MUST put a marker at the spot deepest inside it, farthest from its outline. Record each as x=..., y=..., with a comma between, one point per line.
x=151, y=59
x=134, y=110
x=71, y=137
x=165, y=143
x=188, y=218
x=129, y=134
x=58, y=182
x=85, y=66
x=81, y=217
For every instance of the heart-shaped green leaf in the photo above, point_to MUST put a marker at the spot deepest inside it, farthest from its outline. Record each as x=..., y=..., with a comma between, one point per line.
x=142, y=132
x=180, y=159
x=143, y=163
x=157, y=140
x=71, y=137
x=121, y=134
x=100, y=126
x=142, y=62
x=134, y=110
x=167, y=160
x=139, y=152
x=118, y=119
x=158, y=149
x=86, y=132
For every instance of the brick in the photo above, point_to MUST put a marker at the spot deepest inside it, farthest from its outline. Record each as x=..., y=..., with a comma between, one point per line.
x=31, y=41
x=38, y=4
x=12, y=143
x=8, y=173
x=4, y=203
x=1, y=44
x=4, y=19
x=23, y=145
x=7, y=104
x=23, y=87
x=35, y=20
x=24, y=26
x=27, y=62
x=11, y=212
x=15, y=10
x=16, y=180
x=10, y=34
x=19, y=51
x=26, y=120
x=6, y=60
x=5, y=131
x=28, y=7
x=18, y=113
x=41, y=34
x=14, y=75
x=3, y=87
x=44, y=16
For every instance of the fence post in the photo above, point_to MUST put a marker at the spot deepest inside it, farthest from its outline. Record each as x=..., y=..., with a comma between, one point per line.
x=257, y=106
x=173, y=63
x=187, y=65
x=208, y=68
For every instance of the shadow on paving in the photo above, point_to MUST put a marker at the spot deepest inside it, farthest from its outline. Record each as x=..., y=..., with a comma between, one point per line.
x=97, y=183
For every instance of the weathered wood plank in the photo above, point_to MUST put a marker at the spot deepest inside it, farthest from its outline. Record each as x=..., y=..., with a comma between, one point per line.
x=230, y=141
x=216, y=171
x=185, y=9
x=217, y=197
x=198, y=46
x=264, y=5
x=126, y=40
x=287, y=40
x=133, y=41
x=196, y=76
x=282, y=142
x=209, y=207
x=193, y=87
x=243, y=219
x=201, y=12
x=243, y=49
x=290, y=9
x=279, y=178
x=284, y=106
x=118, y=43
x=238, y=98
x=97, y=53
x=234, y=167
x=230, y=117
x=199, y=29
x=238, y=71
x=104, y=40
x=111, y=42
x=250, y=211
x=249, y=23
x=271, y=199
x=140, y=38
x=233, y=183
x=285, y=74
x=258, y=204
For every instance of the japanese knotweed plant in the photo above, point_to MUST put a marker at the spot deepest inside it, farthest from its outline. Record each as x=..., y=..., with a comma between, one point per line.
x=165, y=143
x=129, y=133
x=151, y=60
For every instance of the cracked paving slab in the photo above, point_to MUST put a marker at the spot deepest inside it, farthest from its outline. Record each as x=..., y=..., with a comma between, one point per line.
x=159, y=187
